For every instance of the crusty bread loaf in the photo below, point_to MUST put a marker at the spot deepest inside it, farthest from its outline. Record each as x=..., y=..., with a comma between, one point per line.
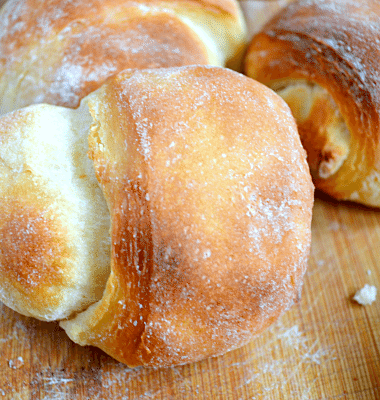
x=323, y=57
x=209, y=198
x=58, y=51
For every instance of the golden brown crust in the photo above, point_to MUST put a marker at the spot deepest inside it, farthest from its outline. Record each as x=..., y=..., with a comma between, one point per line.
x=30, y=238
x=332, y=44
x=58, y=51
x=210, y=200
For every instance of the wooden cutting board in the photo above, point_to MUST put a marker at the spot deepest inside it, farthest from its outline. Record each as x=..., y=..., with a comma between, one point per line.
x=325, y=347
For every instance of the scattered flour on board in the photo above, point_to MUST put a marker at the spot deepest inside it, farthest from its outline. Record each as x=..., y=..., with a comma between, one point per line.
x=16, y=363
x=259, y=366
x=299, y=352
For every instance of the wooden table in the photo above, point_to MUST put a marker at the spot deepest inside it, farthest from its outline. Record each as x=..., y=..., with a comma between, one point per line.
x=325, y=347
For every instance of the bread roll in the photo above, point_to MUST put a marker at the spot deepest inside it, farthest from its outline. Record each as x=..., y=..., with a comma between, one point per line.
x=323, y=58
x=208, y=197
x=58, y=51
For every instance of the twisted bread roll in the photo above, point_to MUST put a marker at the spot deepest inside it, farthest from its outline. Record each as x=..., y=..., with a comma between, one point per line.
x=207, y=195
x=323, y=58
x=58, y=51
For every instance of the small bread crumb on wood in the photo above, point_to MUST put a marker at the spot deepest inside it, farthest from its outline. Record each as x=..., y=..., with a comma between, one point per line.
x=366, y=295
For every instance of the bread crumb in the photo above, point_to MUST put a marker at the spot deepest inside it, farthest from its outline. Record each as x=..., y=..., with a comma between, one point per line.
x=366, y=295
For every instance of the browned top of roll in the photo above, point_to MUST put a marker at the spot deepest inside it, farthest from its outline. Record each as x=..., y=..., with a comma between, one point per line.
x=210, y=200
x=336, y=45
x=58, y=51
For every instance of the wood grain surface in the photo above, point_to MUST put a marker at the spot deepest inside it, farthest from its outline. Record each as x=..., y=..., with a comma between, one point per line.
x=325, y=347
